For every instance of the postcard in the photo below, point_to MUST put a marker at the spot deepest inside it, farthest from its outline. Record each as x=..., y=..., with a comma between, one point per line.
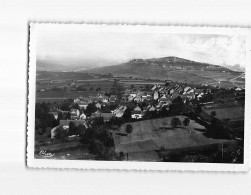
x=138, y=97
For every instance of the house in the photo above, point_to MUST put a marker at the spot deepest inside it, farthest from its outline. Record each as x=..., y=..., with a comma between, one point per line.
x=130, y=98
x=106, y=116
x=113, y=98
x=98, y=105
x=54, y=113
x=102, y=98
x=156, y=95
x=137, y=98
x=186, y=89
x=119, y=112
x=83, y=104
x=137, y=113
x=189, y=95
x=155, y=87
x=116, y=109
x=152, y=108
x=65, y=123
x=149, y=97
x=74, y=114
x=82, y=116
x=164, y=98
x=171, y=91
x=133, y=94
x=77, y=100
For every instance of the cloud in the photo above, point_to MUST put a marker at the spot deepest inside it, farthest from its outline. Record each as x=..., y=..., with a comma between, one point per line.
x=108, y=48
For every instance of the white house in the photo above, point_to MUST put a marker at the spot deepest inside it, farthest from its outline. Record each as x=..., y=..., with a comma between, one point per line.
x=156, y=95
x=98, y=105
x=137, y=113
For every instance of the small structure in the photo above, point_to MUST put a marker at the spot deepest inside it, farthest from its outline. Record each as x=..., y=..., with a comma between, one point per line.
x=156, y=95
x=54, y=113
x=74, y=114
x=98, y=105
x=65, y=123
x=82, y=116
x=113, y=99
x=137, y=113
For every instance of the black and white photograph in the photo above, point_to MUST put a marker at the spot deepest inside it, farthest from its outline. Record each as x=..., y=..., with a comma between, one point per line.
x=125, y=97
x=138, y=93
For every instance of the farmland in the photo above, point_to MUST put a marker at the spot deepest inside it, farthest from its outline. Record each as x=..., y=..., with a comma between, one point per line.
x=150, y=135
x=56, y=86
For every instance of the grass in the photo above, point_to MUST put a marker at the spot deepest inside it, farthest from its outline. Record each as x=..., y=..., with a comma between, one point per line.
x=63, y=80
x=147, y=136
x=227, y=113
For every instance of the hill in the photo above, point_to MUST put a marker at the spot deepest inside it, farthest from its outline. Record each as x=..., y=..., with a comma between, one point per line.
x=173, y=68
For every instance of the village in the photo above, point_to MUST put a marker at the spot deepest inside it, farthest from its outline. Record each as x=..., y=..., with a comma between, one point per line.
x=115, y=113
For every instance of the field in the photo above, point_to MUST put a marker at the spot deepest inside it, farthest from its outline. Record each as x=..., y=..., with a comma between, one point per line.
x=228, y=113
x=150, y=135
x=57, y=86
x=220, y=78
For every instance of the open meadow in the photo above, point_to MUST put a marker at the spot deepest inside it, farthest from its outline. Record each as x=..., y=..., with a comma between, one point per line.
x=151, y=135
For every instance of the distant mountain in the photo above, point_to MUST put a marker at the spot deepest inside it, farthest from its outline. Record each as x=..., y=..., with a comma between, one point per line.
x=49, y=65
x=168, y=67
x=236, y=67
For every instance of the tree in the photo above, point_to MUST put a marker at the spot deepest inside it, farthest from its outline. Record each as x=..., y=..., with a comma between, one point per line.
x=213, y=114
x=98, y=122
x=91, y=108
x=81, y=129
x=97, y=147
x=65, y=106
x=72, y=128
x=186, y=121
x=147, y=87
x=128, y=128
x=121, y=156
x=127, y=114
x=175, y=122
x=177, y=106
x=98, y=89
x=218, y=129
x=75, y=106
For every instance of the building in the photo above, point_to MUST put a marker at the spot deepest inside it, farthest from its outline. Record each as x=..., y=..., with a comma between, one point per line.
x=55, y=114
x=98, y=105
x=83, y=104
x=74, y=114
x=65, y=123
x=113, y=98
x=156, y=95
x=137, y=113
x=119, y=112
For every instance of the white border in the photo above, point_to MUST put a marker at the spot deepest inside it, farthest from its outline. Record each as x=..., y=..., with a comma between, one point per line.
x=88, y=164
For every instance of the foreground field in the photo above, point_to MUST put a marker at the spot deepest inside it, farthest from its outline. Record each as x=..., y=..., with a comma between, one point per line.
x=150, y=135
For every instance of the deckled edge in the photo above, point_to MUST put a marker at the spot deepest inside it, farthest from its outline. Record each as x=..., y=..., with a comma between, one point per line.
x=29, y=164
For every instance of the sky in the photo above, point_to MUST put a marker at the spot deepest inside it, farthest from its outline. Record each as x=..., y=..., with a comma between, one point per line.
x=76, y=48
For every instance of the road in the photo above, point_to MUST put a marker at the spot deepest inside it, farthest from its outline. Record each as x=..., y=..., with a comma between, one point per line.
x=232, y=80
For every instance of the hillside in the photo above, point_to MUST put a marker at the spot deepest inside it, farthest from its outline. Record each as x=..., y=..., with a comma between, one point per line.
x=173, y=68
